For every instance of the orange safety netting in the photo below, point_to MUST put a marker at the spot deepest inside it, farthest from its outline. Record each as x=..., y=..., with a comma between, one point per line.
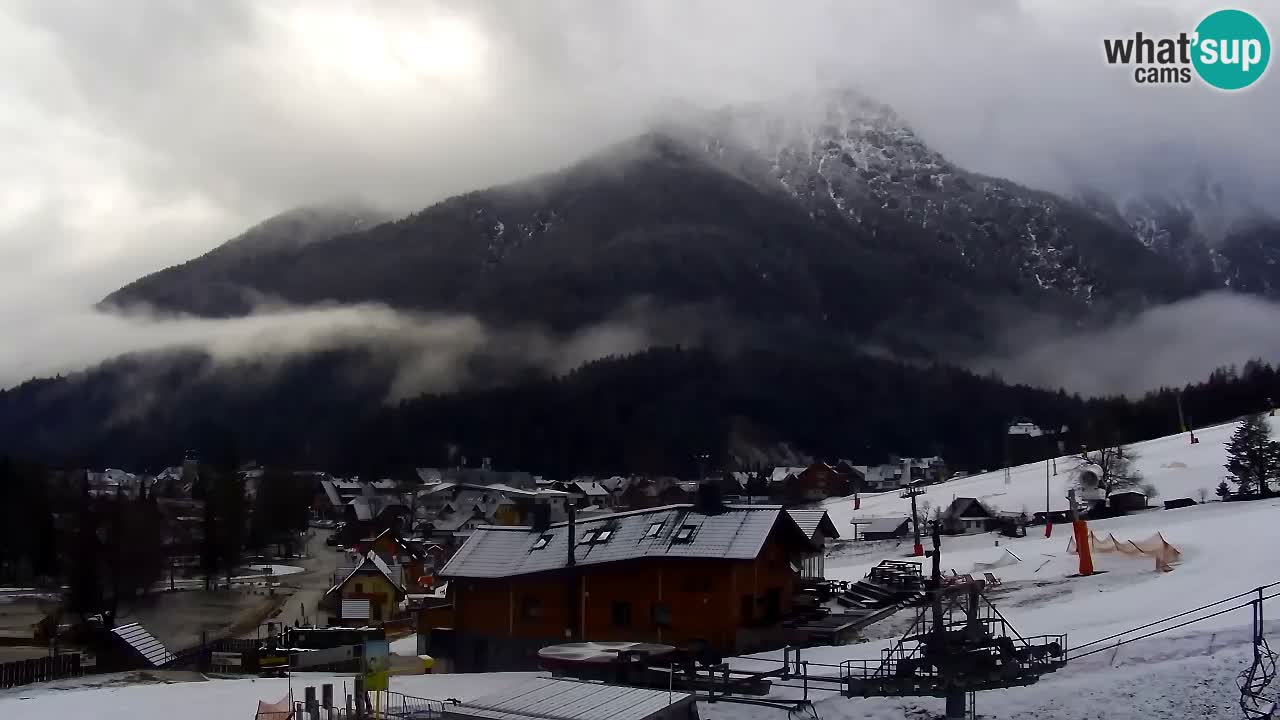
x=1155, y=546
x=282, y=710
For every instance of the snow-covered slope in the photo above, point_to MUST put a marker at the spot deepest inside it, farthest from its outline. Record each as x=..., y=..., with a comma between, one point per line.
x=1175, y=466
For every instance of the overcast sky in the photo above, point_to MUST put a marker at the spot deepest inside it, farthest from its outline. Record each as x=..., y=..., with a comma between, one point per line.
x=135, y=134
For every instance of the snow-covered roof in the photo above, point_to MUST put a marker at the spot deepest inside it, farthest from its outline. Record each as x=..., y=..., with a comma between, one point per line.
x=780, y=473
x=331, y=492
x=617, y=483
x=672, y=531
x=371, y=559
x=1129, y=491
x=881, y=525
x=1026, y=428
x=547, y=697
x=591, y=489
x=453, y=521
x=809, y=521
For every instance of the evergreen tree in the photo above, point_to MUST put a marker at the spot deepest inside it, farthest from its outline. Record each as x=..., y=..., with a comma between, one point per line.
x=1223, y=491
x=233, y=520
x=1253, y=458
x=211, y=531
x=84, y=593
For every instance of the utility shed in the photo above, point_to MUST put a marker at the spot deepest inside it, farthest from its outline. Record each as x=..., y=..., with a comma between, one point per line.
x=882, y=528
x=542, y=698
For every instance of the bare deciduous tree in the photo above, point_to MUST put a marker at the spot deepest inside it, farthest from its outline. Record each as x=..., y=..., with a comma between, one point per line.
x=1115, y=469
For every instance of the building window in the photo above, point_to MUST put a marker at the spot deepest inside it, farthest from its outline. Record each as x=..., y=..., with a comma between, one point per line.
x=541, y=542
x=530, y=608
x=622, y=614
x=359, y=587
x=685, y=533
x=654, y=529
x=661, y=614
x=603, y=536
x=588, y=537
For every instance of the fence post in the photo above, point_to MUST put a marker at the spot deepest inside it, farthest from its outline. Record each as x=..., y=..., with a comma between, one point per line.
x=313, y=708
x=326, y=700
x=360, y=696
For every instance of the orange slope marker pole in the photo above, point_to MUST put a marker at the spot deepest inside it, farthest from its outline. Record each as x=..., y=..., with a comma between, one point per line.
x=1080, y=528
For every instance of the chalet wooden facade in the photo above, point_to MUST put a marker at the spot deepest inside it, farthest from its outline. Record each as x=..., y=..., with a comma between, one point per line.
x=815, y=483
x=370, y=593
x=409, y=558
x=967, y=515
x=721, y=580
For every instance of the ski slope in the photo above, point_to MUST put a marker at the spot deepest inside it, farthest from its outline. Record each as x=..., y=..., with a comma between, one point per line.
x=1175, y=466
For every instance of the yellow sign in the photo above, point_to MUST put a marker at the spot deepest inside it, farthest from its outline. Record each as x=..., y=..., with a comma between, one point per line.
x=377, y=665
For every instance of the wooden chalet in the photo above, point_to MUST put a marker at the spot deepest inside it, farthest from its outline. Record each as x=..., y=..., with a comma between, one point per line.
x=369, y=594
x=719, y=577
x=409, y=558
x=967, y=515
x=814, y=483
x=818, y=527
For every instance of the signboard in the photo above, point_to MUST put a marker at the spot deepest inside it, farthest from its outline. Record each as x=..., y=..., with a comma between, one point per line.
x=324, y=656
x=225, y=659
x=377, y=665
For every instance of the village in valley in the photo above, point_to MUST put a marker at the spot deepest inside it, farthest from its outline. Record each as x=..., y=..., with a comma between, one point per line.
x=834, y=589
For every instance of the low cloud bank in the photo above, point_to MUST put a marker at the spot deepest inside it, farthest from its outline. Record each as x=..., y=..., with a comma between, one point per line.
x=431, y=351
x=1169, y=345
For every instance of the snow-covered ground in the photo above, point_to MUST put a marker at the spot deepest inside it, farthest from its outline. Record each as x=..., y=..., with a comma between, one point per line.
x=1189, y=672
x=274, y=570
x=1175, y=466
x=109, y=698
x=407, y=645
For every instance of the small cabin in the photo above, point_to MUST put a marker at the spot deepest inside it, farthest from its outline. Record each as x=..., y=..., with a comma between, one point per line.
x=1127, y=500
x=966, y=516
x=881, y=528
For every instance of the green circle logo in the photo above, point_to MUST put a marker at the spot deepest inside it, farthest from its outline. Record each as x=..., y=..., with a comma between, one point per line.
x=1232, y=49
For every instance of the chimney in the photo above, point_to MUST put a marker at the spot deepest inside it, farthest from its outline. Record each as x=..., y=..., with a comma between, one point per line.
x=541, y=517
x=573, y=605
x=710, y=500
x=573, y=534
